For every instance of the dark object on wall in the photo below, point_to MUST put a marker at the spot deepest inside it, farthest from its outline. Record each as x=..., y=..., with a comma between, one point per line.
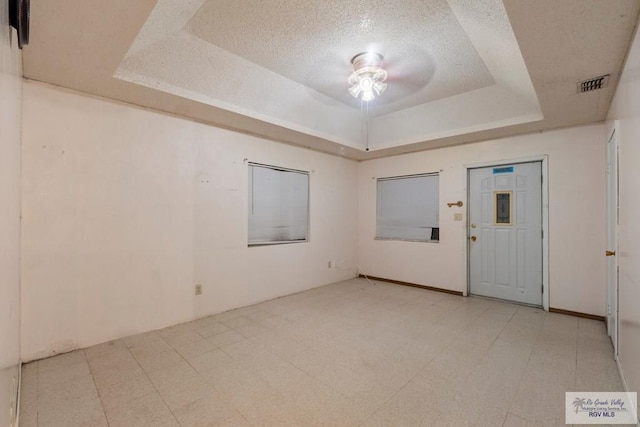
x=19, y=19
x=435, y=234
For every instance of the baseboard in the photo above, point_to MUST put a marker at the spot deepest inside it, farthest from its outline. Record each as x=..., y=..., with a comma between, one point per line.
x=413, y=285
x=577, y=314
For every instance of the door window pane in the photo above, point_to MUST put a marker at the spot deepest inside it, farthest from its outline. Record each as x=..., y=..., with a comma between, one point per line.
x=502, y=207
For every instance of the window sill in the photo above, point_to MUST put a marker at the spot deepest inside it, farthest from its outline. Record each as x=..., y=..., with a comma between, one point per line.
x=405, y=240
x=288, y=242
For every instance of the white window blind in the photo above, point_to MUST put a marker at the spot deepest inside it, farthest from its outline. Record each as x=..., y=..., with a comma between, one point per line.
x=408, y=208
x=278, y=205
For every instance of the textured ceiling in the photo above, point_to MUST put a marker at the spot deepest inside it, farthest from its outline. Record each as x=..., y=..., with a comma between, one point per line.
x=459, y=70
x=427, y=53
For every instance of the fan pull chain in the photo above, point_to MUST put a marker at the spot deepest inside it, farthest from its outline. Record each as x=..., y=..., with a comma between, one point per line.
x=364, y=110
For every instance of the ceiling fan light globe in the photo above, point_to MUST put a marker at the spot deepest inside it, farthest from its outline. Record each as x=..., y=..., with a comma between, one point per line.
x=355, y=90
x=368, y=96
x=366, y=83
x=379, y=87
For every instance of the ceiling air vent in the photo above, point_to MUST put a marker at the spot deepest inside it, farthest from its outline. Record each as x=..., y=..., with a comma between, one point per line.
x=593, y=84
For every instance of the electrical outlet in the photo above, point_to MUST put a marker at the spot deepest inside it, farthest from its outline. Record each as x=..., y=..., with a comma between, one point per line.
x=198, y=289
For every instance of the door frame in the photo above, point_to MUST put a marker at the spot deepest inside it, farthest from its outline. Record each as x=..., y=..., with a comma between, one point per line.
x=612, y=135
x=544, y=159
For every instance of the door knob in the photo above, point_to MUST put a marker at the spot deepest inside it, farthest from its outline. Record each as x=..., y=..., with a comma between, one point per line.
x=473, y=238
x=610, y=253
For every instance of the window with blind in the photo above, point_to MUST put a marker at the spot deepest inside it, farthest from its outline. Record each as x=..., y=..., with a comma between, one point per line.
x=407, y=208
x=278, y=205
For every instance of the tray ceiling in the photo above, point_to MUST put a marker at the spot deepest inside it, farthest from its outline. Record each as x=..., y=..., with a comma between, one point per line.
x=459, y=70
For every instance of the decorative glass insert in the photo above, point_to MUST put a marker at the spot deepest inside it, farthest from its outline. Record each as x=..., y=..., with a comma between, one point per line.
x=502, y=207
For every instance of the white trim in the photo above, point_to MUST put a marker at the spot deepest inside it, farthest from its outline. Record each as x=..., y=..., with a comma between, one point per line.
x=544, y=159
x=18, y=393
x=546, y=295
x=612, y=135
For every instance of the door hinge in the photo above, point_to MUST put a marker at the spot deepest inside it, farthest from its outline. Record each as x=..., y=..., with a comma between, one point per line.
x=542, y=288
x=542, y=234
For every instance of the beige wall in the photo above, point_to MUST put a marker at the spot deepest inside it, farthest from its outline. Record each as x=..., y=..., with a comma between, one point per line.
x=125, y=210
x=626, y=109
x=576, y=160
x=10, y=125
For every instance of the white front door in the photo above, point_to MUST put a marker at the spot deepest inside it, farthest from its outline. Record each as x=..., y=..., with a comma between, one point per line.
x=612, y=245
x=505, y=232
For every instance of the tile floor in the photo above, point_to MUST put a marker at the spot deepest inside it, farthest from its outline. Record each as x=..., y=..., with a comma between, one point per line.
x=347, y=354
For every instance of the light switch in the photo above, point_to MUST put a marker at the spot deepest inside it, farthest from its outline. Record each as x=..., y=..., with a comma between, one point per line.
x=457, y=217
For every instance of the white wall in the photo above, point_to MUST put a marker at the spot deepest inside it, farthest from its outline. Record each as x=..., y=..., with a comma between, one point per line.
x=125, y=210
x=626, y=109
x=576, y=215
x=10, y=127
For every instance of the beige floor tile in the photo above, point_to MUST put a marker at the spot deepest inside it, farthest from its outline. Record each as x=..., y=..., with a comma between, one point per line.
x=117, y=373
x=209, y=411
x=546, y=367
x=598, y=376
x=30, y=370
x=260, y=314
x=226, y=338
x=117, y=395
x=212, y=329
x=74, y=404
x=252, y=330
x=234, y=380
x=105, y=349
x=72, y=388
x=110, y=360
x=174, y=374
x=62, y=361
x=237, y=322
x=54, y=377
x=149, y=410
x=346, y=354
x=180, y=338
x=275, y=322
x=227, y=315
x=28, y=413
x=246, y=348
x=212, y=360
x=142, y=339
x=154, y=361
x=462, y=354
x=196, y=348
x=471, y=416
x=150, y=348
x=541, y=401
x=516, y=421
x=184, y=393
x=29, y=383
x=200, y=323
x=376, y=420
